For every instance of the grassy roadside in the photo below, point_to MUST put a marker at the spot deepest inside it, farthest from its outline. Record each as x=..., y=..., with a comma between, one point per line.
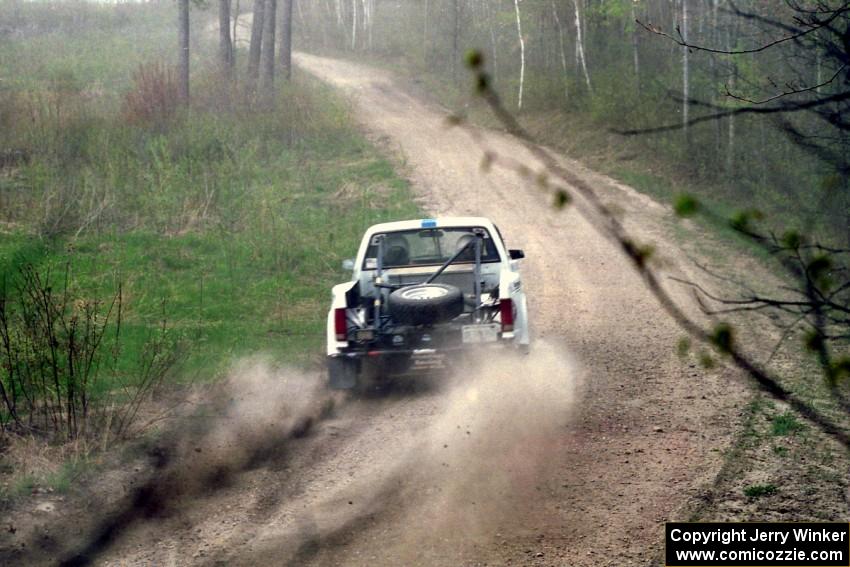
x=225, y=224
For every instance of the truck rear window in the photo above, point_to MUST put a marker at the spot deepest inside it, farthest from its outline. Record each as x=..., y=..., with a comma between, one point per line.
x=430, y=246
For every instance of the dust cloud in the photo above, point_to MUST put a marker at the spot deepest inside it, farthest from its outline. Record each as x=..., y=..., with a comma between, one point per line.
x=485, y=456
x=457, y=481
x=451, y=476
x=241, y=423
x=261, y=405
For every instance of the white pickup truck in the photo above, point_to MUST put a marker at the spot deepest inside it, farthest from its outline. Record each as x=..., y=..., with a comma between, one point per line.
x=421, y=290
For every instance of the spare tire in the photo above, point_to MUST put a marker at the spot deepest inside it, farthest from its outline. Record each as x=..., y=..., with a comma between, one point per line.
x=425, y=304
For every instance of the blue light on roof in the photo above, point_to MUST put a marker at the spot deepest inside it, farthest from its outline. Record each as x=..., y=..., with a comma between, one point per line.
x=429, y=223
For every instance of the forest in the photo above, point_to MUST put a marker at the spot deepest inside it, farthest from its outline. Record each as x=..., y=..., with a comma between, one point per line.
x=569, y=68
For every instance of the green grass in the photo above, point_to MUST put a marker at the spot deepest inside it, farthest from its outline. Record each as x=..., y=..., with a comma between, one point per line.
x=779, y=450
x=80, y=45
x=785, y=424
x=261, y=286
x=228, y=221
x=759, y=490
x=62, y=480
x=23, y=486
x=253, y=276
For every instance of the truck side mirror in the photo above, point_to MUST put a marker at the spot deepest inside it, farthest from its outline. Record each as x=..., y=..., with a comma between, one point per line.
x=516, y=254
x=348, y=264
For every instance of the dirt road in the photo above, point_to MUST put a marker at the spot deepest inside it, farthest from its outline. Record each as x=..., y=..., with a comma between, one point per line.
x=575, y=455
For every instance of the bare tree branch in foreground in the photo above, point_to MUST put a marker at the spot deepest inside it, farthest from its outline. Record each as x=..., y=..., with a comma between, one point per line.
x=601, y=217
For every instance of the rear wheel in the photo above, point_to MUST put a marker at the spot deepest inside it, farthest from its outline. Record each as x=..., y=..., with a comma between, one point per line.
x=343, y=372
x=377, y=372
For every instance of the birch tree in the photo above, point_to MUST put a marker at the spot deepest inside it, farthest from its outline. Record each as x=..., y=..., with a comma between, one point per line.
x=225, y=43
x=580, y=47
x=686, y=84
x=286, y=39
x=521, y=54
x=269, y=21
x=426, y=20
x=730, y=135
x=254, y=49
x=340, y=20
x=368, y=20
x=493, y=43
x=455, y=39
x=635, y=54
x=353, y=24
x=563, y=50
x=233, y=34
x=183, y=46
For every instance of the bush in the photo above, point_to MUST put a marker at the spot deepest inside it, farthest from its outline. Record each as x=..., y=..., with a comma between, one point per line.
x=56, y=346
x=154, y=99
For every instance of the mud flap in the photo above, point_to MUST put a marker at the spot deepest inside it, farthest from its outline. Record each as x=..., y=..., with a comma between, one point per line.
x=342, y=373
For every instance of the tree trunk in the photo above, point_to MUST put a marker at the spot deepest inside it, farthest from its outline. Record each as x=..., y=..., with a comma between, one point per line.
x=286, y=39
x=818, y=69
x=563, y=49
x=298, y=16
x=542, y=53
x=255, y=48
x=353, y=25
x=715, y=79
x=521, y=54
x=580, y=48
x=425, y=30
x=686, y=84
x=635, y=44
x=233, y=36
x=368, y=13
x=183, y=41
x=455, y=41
x=762, y=154
x=372, y=8
x=493, y=45
x=731, y=32
x=730, y=144
x=340, y=24
x=845, y=185
x=225, y=44
x=325, y=22
x=269, y=21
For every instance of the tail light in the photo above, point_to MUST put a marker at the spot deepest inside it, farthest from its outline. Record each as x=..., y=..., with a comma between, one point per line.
x=340, y=324
x=506, y=311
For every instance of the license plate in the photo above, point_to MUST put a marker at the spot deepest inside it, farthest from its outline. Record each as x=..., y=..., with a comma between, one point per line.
x=427, y=358
x=480, y=333
x=362, y=335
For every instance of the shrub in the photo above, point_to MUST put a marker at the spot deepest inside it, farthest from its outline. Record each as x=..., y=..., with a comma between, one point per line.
x=56, y=346
x=154, y=99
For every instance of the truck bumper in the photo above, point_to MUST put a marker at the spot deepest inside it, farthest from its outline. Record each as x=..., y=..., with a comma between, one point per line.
x=403, y=361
